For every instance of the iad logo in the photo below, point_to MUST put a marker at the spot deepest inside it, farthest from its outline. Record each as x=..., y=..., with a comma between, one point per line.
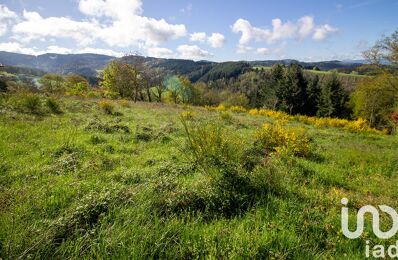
x=377, y=250
x=375, y=221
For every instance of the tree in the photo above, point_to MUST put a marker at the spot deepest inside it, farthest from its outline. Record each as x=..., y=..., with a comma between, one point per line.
x=159, y=86
x=251, y=84
x=152, y=78
x=291, y=92
x=235, y=99
x=332, y=98
x=3, y=85
x=121, y=79
x=313, y=95
x=375, y=100
x=385, y=49
x=187, y=90
x=76, y=84
x=271, y=85
x=174, y=87
x=53, y=83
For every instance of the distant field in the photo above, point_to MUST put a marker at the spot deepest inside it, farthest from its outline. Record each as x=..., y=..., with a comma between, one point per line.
x=86, y=184
x=322, y=72
x=348, y=80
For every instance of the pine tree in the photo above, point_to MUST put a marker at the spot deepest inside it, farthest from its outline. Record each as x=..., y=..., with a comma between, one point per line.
x=292, y=90
x=332, y=99
x=313, y=94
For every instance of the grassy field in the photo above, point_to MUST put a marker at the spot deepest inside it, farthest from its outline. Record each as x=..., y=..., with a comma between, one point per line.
x=86, y=182
x=349, y=81
x=320, y=72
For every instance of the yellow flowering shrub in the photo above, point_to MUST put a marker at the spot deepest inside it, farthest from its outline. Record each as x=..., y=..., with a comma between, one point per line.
x=220, y=108
x=279, y=139
x=253, y=112
x=359, y=125
x=237, y=109
x=106, y=106
x=188, y=115
x=211, y=143
x=278, y=115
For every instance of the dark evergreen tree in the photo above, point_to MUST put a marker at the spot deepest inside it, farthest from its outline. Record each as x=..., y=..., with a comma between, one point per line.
x=3, y=85
x=313, y=95
x=292, y=94
x=332, y=99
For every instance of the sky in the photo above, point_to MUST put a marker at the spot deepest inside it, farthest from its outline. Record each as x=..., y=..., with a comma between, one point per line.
x=200, y=30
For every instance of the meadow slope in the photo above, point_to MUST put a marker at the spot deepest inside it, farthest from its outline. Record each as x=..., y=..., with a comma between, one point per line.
x=81, y=183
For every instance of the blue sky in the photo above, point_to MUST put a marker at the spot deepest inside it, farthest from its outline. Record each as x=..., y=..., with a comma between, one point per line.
x=211, y=30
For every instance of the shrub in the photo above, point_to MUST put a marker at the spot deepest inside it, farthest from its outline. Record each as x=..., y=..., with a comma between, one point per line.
x=275, y=138
x=226, y=116
x=187, y=115
x=238, y=109
x=53, y=105
x=80, y=219
x=31, y=103
x=359, y=125
x=106, y=106
x=210, y=144
x=225, y=188
x=143, y=133
x=226, y=191
x=220, y=108
x=97, y=125
x=124, y=103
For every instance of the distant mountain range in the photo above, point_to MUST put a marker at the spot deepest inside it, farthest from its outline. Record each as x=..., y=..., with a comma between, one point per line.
x=89, y=64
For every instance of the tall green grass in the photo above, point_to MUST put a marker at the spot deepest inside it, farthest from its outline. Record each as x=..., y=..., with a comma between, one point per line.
x=84, y=184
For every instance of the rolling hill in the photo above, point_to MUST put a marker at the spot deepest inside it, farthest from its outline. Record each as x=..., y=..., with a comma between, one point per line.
x=88, y=64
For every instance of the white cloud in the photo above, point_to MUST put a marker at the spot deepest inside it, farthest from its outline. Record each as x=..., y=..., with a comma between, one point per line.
x=19, y=48
x=140, y=31
x=117, y=9
x=115, y=22
x=192, y=52
x=160, y=52
x=6, y=13
x=58, y=50
x=245, y=28
x=243, y=49
x=3, y=28
x=323, y=31
x=215, y=40
x=127, y=27
x=263, y=51
x=16, y=47
x=5, y=16
x=198, y=37
x=36, y=27
x=304, y=27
